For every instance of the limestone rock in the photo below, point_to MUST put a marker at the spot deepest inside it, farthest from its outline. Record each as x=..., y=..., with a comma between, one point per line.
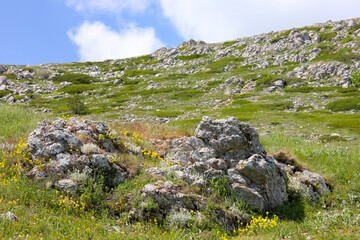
x=230, y=149
x=2, y=69
x=63, y=147
x=9, y=216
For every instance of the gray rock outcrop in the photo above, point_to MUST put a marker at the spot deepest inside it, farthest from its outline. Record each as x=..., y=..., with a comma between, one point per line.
x=64, y=147
x=231, y=150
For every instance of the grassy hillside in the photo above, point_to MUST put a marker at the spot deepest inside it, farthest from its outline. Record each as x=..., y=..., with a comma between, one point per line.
x=298, y=88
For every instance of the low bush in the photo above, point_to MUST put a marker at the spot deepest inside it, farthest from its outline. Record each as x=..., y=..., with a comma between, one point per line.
x=355, y=78
x=9, y=75
x=344, y=104
x=307, y=89
x=229, y=43
x=186, y=94
x=137, y=72
x=75, y=78
x=167, y=113
x=219, y=65
x=4, y=93
x=191, y=57
x=327, y=36
x=79, y=88
x=76, y=104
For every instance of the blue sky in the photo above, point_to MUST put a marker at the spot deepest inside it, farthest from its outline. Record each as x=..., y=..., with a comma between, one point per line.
x=61, y=31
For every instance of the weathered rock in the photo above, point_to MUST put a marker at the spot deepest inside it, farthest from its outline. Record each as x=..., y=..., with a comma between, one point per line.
x=230, y=149
x=66, y=185
x=9, y=216
x=229, y=138
x=3, y=80
x=64, y=147
x=2, y=69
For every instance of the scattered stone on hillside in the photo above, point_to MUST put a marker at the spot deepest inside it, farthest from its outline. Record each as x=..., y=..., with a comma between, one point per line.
x=63, y=147
x=3, y=81
x=351, y=23
x=9, y=98
x=9, y=216
x=228, y=149
x=321, y=70
x=117, y=81
x=2, y=69
x=192, y=42
x=249, y=86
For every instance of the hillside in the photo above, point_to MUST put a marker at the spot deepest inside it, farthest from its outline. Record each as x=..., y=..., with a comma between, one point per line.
x=299, y=89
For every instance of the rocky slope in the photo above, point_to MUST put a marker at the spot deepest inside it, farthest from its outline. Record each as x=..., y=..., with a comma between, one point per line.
x=289, y=67
x=321, y=55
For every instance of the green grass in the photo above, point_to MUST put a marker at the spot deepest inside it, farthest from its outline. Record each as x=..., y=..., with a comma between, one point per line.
x=186, y=95
x=190, y=57
x=344, y=104
x=75, y=78
x=16, y=121
x=327, y=36
x=78, y=88
x=229, y=43
x=41, y=216
x=220, y=64
x=307, y=89
x=4, y=93
x=137, y=72
x=166, y=113
x=9, y=75
x=343, y=55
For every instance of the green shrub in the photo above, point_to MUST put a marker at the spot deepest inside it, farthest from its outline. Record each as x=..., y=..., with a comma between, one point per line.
x=241, y=47
x=191, y=57
x=76, y=104
x=28, y=69
x=79, y=88
x=355, y=78
x=4, y=93
x=219, y=65
x=327, y=36
x=213, y=84
x=167, y=113
x=229, y=43
x=9, y=75
x=344, y=55
x=75, y=78
x=329, y=138
x=352, y=30
x=206, y=73
x=137, y=72
x=186, y=95
x=348, y=90
x=307, y=89
x=240, y=102
x=221, y=189
x=344, y=104
x=278, y=106
x=346, y=39
x=264, y=82
x=352, y=124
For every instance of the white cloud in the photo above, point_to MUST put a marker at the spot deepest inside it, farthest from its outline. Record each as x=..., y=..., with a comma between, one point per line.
x=114, y=6
x=213, y=20
x=97, y=42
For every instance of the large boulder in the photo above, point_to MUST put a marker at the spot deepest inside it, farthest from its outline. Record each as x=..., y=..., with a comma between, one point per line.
x=231, y=150
x=64, y=147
